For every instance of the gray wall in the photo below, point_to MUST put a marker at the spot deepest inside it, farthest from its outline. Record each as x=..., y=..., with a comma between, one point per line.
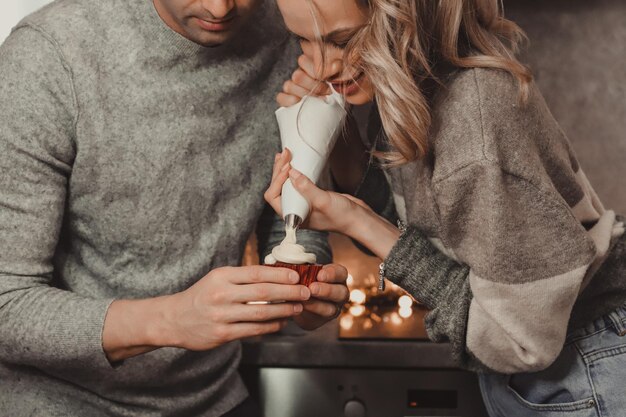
x=578, y=54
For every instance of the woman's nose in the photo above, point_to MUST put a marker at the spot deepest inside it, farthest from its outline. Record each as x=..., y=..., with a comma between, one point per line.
x=219, y=9
x=333, y=69
x=328, y=67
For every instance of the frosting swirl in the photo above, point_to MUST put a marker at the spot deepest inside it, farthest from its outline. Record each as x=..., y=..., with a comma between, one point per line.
x=290, y=252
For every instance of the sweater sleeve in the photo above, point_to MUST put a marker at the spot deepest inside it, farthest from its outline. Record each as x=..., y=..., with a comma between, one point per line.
x=527, y=257
x=438, y=282
x=41, y=326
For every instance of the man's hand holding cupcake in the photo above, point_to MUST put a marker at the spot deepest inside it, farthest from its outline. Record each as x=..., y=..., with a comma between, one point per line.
x=327, y=283
x=328, y=295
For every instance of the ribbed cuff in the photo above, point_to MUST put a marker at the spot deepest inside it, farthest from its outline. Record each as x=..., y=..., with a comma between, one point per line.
x=438, y=282
x=78, y=340
x=416, y=265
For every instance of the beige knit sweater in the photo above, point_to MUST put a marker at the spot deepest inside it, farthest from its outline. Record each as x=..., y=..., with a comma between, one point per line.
x=516, y=234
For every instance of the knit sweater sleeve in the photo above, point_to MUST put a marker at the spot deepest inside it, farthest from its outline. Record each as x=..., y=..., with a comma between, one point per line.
x=506, y=216
x=41, y=326
x=526, y=257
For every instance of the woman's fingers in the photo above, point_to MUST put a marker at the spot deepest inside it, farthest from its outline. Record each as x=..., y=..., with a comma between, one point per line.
x=303, y=82
x=286, y=100
x=279, y=176
x=274, y=190
x=303, y=77
x=293, y=89
x=309, y=84
x=272, y=197
x=307, y=188
x=276, y=167
x=307, y=65
x=280, y=161
x=307, y=68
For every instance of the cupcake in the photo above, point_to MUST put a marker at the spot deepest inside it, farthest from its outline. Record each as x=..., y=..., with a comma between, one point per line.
x=289, y=254
x=307, y=272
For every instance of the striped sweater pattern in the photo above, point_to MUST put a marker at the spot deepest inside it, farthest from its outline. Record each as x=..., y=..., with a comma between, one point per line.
x=506, y=232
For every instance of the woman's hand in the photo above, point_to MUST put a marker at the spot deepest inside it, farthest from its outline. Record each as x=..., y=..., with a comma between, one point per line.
x=302, y=83
x=332, y=211
x=329, y=210
x=349, y=158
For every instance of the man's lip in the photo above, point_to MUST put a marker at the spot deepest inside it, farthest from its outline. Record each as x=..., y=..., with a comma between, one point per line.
x=215, y=25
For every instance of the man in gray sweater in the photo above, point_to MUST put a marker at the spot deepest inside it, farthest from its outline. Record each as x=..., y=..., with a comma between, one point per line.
x=134, y=143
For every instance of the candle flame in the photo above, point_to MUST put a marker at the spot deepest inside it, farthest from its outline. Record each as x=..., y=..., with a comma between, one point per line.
x=346, y=322
x=357, y=310
x=405, y=312
x=405, y=301
x=350, y=281
x=357, y=296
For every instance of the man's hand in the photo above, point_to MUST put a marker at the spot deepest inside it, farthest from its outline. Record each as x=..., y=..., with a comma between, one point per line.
x=328, y=296
x=212, y=312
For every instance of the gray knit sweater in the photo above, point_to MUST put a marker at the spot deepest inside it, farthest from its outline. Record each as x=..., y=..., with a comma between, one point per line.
x=132, y=162
x=507, y=243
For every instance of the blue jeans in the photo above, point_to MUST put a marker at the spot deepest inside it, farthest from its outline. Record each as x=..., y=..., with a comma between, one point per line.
x=588, y=379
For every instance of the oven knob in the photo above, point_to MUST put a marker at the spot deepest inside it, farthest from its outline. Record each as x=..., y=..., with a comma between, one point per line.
x=354, y=408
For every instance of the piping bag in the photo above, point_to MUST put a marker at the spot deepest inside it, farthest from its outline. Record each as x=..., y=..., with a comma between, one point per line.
x=310, y=130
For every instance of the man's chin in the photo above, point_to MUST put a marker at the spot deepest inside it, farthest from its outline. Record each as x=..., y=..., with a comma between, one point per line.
x=211, y=39
x=210, y=44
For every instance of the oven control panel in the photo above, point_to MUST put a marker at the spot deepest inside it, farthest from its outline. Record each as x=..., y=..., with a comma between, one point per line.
x=287, y=392
x=354, y=408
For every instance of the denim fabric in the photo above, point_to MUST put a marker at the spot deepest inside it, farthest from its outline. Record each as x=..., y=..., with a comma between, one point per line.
x=588, y=379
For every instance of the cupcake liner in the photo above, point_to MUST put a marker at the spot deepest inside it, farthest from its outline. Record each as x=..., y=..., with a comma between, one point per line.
x=307, y=272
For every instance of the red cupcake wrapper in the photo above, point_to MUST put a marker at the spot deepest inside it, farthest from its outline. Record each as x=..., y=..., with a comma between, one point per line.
x=307, y=272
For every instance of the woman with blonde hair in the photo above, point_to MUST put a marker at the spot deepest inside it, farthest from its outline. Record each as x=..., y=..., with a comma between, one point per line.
x=506, y=241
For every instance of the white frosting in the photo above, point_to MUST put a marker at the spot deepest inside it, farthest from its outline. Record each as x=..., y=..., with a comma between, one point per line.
x=289, y=251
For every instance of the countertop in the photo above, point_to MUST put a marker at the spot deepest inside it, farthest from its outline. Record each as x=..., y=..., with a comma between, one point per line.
x=322, y=348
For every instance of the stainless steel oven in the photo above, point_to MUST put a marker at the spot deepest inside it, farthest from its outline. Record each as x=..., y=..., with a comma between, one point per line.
x=347, y=392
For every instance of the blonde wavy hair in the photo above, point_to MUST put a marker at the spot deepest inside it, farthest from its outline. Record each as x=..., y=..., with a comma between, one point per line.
x=409, y=46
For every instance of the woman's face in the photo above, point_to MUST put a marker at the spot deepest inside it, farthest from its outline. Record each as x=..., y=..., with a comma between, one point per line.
x=338, y=21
